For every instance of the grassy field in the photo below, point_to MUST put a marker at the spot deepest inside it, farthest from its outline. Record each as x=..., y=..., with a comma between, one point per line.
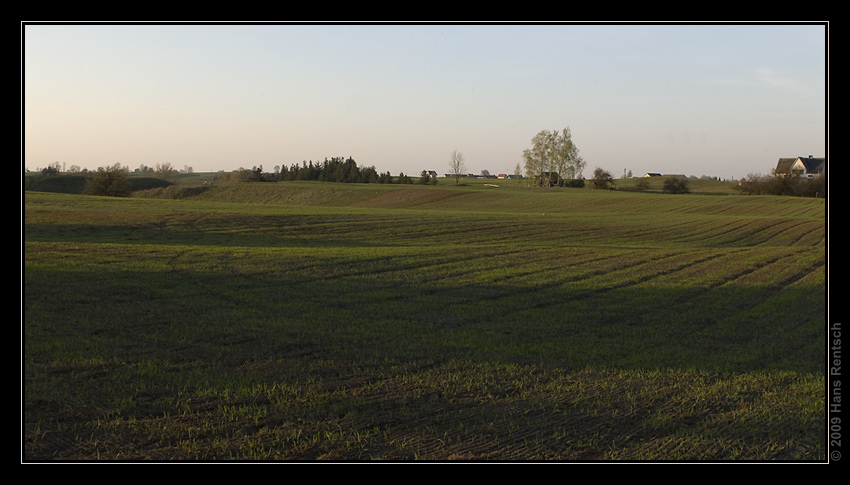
x=310, y=321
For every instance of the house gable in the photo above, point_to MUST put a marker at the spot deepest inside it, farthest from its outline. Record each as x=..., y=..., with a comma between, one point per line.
x=801, y=166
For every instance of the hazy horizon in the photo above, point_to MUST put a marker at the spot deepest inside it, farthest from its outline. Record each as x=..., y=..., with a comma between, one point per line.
x=717, y=100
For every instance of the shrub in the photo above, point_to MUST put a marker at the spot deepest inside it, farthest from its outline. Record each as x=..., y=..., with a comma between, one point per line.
x=109, y=181
x=602, y=179
x=782, y=185
x=676, y=185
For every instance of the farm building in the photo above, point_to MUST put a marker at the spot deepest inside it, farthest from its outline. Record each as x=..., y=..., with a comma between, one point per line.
x=808, y=167
x=670, y=175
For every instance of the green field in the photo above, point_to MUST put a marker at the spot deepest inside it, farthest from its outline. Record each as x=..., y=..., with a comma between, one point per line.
x=311, y=321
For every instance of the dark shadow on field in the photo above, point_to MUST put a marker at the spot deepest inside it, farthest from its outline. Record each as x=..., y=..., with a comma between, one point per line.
x=163, y=340
x=228, y=317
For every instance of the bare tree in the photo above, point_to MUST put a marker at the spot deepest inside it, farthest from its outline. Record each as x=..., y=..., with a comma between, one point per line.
x=457, y=165
x=165, y=171
x=109, y=181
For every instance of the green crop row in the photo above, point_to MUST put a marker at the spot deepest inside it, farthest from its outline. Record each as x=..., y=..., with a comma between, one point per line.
x=200, y=329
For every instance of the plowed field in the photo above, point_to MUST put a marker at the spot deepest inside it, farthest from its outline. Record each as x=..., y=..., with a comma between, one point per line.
x=420, y=324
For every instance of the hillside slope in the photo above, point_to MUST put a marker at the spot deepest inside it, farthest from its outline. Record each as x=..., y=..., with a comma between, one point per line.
x=504, y=199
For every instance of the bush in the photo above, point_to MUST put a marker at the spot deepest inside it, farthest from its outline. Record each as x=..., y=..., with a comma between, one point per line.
x=602, y=179
x=109, y=181
x=675, y=185
x=782, y=185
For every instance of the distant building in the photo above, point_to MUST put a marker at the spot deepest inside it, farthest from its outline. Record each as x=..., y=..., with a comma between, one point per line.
x=804, y=167
x=652, y=174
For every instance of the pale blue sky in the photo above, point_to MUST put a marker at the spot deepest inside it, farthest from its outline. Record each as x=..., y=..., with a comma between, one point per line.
x=721, y=100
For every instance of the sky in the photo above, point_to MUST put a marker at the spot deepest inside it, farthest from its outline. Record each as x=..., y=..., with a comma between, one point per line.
x=722, y=100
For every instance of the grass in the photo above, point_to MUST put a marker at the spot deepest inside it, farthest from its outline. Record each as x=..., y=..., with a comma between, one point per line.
x=354, y=322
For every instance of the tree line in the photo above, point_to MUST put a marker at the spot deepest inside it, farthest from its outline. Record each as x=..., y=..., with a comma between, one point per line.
x=113, y=180
x=335, y=169
x=783, y=184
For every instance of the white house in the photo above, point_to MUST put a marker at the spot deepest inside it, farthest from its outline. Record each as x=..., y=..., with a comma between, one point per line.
x=805, y=167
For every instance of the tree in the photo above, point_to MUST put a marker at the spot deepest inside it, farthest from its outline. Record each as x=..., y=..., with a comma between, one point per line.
x=256, y=174
x=50, y=170
x=567, y=160
x=457, y=165
x=553, y=157
x=538, y=158
x=109, y=181
x=602, y=178
x=676, y=185
x=165, y=171
x=369, y=175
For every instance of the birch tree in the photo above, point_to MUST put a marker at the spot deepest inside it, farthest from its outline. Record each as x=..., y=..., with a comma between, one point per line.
x=553, y=157
x=568, y=162
x=538, y=158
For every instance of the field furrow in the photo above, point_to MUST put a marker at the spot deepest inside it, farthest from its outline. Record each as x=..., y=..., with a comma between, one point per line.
x=311, y=322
